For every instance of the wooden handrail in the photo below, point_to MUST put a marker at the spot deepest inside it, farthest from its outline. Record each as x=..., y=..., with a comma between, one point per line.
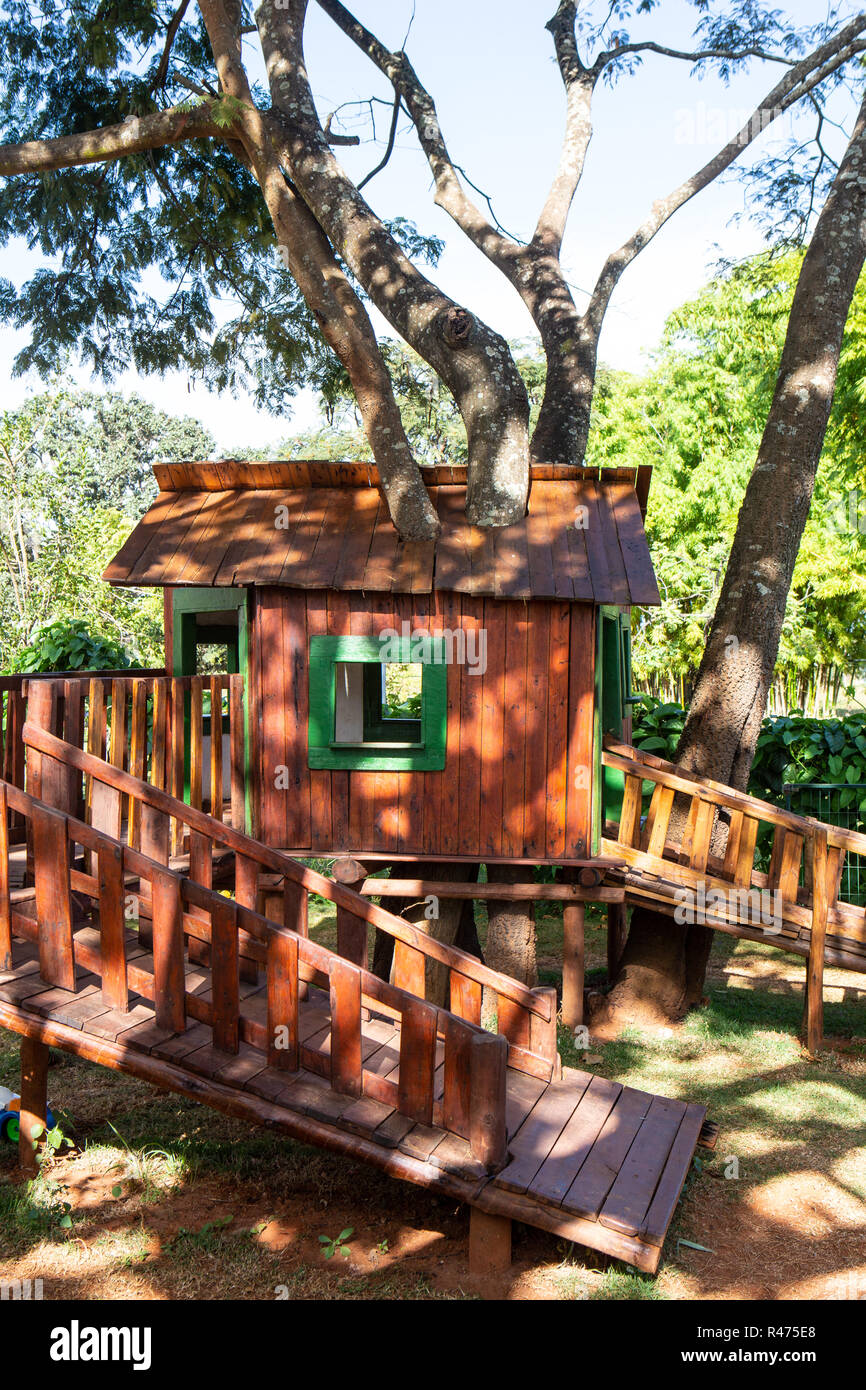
x=20, y=679
x=276, y=862
x=478, y=1117
x=651, y=768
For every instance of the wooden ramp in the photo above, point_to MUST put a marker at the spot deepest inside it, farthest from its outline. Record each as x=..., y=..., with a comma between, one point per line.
x=737, y=864
x=217, y=1002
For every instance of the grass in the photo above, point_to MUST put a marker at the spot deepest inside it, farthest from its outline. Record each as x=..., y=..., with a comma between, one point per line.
x=166, y=1199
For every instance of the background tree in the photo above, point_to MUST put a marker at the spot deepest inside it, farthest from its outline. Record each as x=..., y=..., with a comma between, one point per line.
x=74, y=478
x=665, y=968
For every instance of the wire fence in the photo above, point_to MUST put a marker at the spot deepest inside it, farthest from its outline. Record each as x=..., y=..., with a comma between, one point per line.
x=823, y=800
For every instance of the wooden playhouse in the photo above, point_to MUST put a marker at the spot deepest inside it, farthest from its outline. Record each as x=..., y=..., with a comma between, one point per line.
x=519, y=636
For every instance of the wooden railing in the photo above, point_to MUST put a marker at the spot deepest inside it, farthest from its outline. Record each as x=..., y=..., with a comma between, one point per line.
x=183, y=734
x=715, y=847
x=526, y=1017
x=474, y=1061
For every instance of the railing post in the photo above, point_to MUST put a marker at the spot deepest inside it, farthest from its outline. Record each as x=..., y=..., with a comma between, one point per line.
x=815, y=971
x=169, y=998
x=573, y=963
x=34, y=1099
x=351, y=930
x=487, y=1137
x=457, y=1092
x=224, y=978
x=345, y=983
x=237, y=745
x=282, y=975
x=216, y=748
x=111, y=926
x=417, y=1061
x=53, y=899
x=47, y=779
x=542, y=1032
x=5, y=902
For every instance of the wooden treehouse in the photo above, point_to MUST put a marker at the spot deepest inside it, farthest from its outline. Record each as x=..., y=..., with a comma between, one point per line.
x=158, y=788
x=519, y=637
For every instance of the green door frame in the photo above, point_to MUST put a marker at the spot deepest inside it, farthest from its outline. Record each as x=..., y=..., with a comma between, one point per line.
x=186, y=606
x=613, y=695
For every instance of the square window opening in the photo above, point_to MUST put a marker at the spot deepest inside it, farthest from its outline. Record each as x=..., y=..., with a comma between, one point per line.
x=378, y=705
x=368, y=713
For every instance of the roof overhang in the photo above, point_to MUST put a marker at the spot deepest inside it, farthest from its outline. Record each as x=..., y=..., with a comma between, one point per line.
x=312, y=525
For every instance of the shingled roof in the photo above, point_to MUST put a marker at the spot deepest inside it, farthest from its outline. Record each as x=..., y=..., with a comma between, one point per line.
x=216, y=524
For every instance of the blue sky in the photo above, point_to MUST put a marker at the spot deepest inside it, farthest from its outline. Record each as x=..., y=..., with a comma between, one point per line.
x=491, y=70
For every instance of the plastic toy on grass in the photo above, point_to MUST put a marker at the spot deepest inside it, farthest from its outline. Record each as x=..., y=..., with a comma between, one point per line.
x=10, y=1105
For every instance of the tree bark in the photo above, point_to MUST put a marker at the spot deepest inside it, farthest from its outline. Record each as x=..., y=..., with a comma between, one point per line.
x=339, y=312
x=730, y=697
x=474, y=362
x=510, y=945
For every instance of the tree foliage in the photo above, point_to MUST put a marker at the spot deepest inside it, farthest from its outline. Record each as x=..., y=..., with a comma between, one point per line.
x=74, y=477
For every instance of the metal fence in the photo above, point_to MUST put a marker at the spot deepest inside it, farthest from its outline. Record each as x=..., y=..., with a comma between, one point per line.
x=823, y=800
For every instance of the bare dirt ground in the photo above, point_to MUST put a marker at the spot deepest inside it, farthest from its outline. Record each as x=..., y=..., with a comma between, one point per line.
x=162, y=1199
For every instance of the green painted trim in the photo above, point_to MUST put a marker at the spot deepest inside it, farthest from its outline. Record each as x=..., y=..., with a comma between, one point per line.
x=426, y=756
x=186, y=604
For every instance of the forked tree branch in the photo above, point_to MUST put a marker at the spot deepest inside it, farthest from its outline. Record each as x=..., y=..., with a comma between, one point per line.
x=797, y=83
x=450, y=194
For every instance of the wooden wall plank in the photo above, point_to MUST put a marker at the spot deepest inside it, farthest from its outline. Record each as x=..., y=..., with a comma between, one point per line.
x=492, y=729
x=581, y=703
x=321, y=827
x=557, y=730
x=276, y=723
x=471, y=712
x=537, y=719
x=338, y=623
x=514, y=731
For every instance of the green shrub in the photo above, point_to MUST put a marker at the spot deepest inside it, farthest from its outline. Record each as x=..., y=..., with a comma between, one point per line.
x=68, y=645
x=790, y=748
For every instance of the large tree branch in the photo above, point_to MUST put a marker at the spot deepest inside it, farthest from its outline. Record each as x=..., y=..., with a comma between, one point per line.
x=342, y=318
x=698, y=55
x=579, y=83
x=111, y=142
x=473, y=361
x=797, y=83
x=450, y=194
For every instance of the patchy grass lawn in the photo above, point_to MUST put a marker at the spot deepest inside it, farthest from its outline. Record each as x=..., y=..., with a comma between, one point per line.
x=164, y=1199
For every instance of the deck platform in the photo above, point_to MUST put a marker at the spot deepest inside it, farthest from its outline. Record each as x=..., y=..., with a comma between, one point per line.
x=588, y=1159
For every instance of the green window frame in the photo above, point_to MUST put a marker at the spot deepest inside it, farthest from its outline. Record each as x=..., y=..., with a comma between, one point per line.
x=422, y=749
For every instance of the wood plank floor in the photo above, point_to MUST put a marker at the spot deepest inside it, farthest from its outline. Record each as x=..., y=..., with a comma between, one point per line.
x=603, y=1163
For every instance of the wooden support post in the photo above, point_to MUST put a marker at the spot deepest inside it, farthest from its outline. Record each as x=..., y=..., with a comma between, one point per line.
x=34, y=1099
x=815, y=971
x=488, y=1066
x=617, y=933
x=489, y=1242
x=573, y=964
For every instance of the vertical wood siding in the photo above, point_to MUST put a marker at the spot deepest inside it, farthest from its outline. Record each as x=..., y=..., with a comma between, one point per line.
x=518, y=735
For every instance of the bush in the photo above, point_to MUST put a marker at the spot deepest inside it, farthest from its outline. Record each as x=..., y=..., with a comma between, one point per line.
x=68, y=645
x=790, y=748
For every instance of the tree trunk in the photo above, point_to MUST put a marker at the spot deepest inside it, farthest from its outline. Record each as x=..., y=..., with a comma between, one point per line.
x=450, y=920
x=341, y=316
x=474, y=362
x=664, y=966
x=510, y=945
